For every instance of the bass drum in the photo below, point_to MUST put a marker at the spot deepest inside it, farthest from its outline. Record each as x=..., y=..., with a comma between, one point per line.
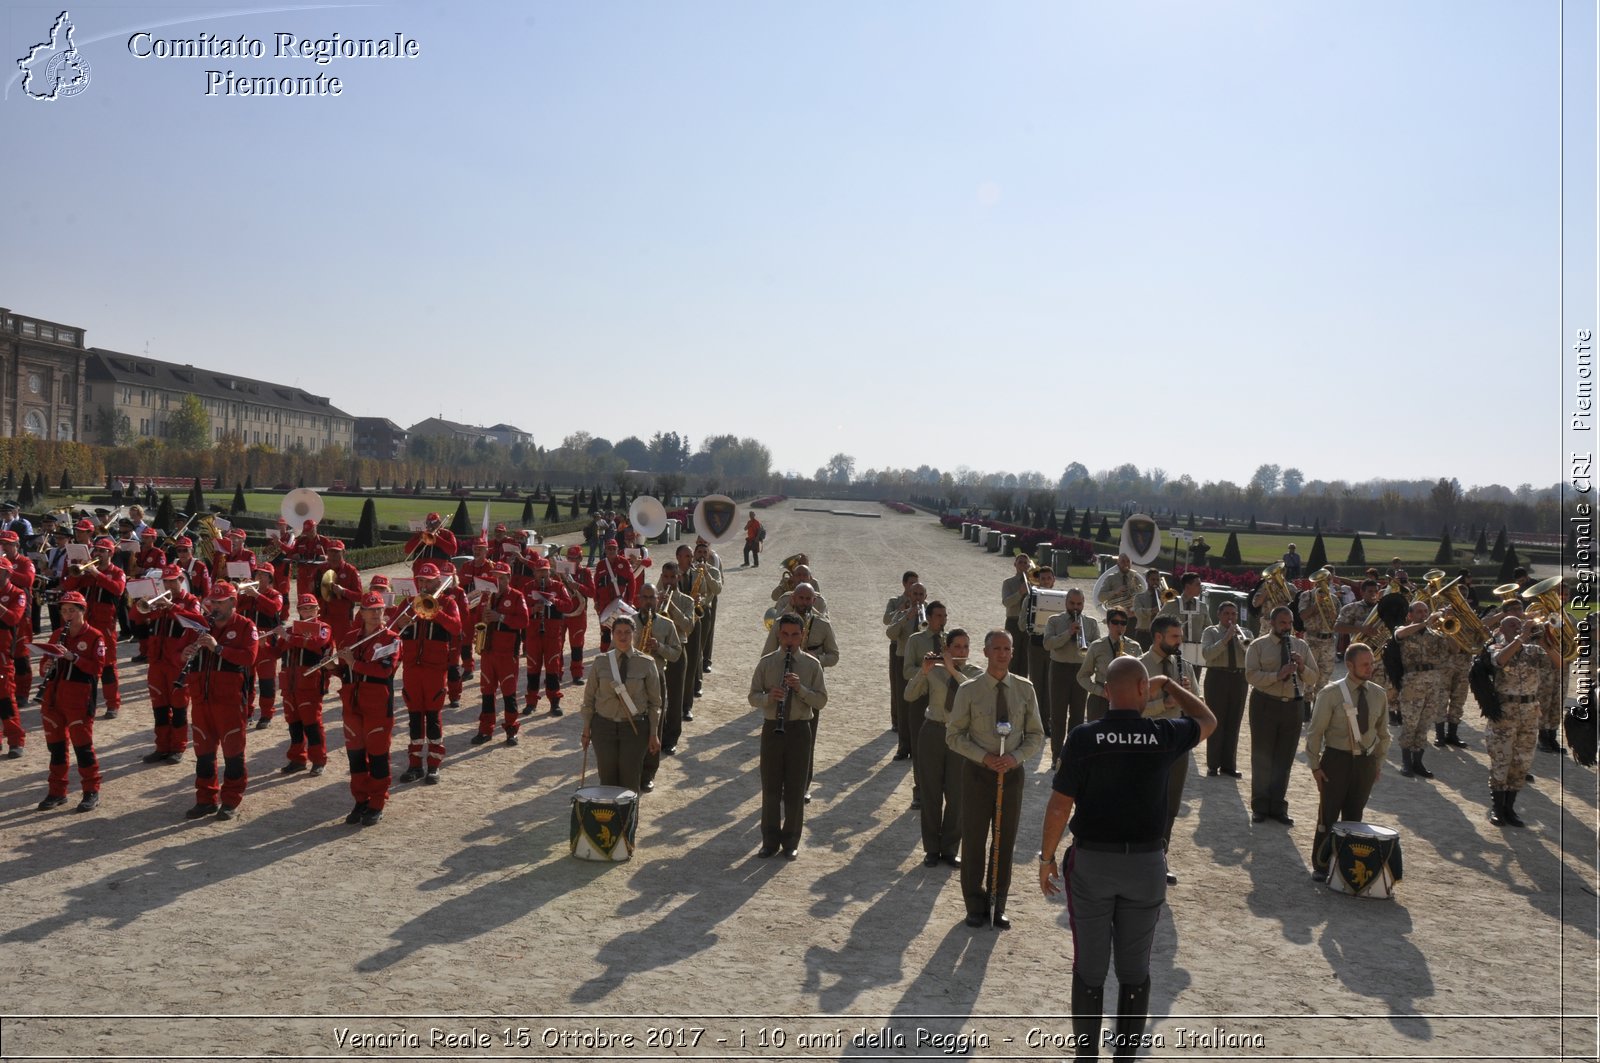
x=604, y=821
x=1042, y=604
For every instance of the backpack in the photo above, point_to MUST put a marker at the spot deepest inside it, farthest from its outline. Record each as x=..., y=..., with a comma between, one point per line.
x=1480, y=680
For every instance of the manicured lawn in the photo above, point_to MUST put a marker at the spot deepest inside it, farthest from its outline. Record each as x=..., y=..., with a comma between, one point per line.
x=1265, y=549
x=397, y=511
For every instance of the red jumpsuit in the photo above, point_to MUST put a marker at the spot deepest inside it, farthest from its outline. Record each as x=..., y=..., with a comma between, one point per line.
x=497, y=671
x=13, y=630
x=613, y=579
x=426, y=654
x=223, y=554
x=307, y=556
x=217, y=682
x=24, y=579
x=548, y=604
x=264, y=609
x=367, y=697
x=578, y=617
x=67, y=706
x=471, y=572
x=169, y=699
x=149, y=557
x=103, y=587
x=339, y=614
x=305, y=645
x=460, y=646
x=441, y=550
x=197, y=575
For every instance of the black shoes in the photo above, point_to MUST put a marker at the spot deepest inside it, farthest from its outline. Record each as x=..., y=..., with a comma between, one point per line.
x=1258, y=817
x=951, y=859
x=356, y=813
x=555, y=710
x=174, y=758
x=480, y=738
x=292, y=767
x=766, y=851
x=977, y=922
x=411, y=775
x=931, y=860
x=50, y=802
x=1172, y=880
x=154, y=758
x=1319, y=876
x=649, y=787
x=1001, y=922
x=200, y=810
x=372, y=817
x=792, y=854
x=263, y=723
x=916, y=804
x=90, y=802
x=687, y=716
x=318, y=769
x=227, y=812
x=706, y=668
x=1234, y=774
x=512, y=739
x=432, y=778
x=1284, y=818
x=456, y=703
x=16, y=751
x=1416, y=766
x=902, y=756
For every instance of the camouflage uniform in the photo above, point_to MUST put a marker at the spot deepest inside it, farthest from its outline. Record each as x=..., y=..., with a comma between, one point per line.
x=1319, y=637
x=1356, y=613
x=1425, y=687
x=1456, y=666
x=1511, y=738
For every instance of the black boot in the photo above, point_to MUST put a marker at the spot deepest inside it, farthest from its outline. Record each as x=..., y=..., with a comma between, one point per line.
x=1508, y=809
x=1438, y=736
x=1405, y=763
x=1133, y=1007
x=1497, y=807
x=1451, y=738
x=1547, y=741
x=1088, y=1007
x=1417, y=768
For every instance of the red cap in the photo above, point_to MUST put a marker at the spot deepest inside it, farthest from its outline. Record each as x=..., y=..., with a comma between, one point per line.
x=335, y=544
x=283, y=522
x=85, y=524
x=309, y=526
x=574, y=550
x=104, y=543
x=148, y=533
x=263, y=569
x=372, y=600
x=427, y=570
x=540, y=562
x=183, y=542
x=9, y=536
x=222, y=591
x=502, y=569
x=499, y=527
x=432, y=517
x=171, y=572
x=308, y=599
x=240, y=533
x=380, y=580
x=74, y=598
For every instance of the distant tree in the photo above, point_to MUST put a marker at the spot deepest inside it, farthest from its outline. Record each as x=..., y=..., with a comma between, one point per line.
x=249, y=482
x=189, y=426
x=1252, y=523
x=527, y=512
x=1293, y=480
x=1191, y=525
x=1499, y=550
x=461, y=524
x=196, y=502
x=1482, y=546
x=1088, y=529
x=1358, y=553
x=552, y=512
x=1318, y=556
x=367, y=529
x=1051, y=525
x=39, y=486
x=1230, y=550
x=164, y=518
x=1383, y=529
x=573, y=515
x=66, y=479
x=1446, y=553
x=1508, y=565
x=11, y=480
x=1104, y=534
x=238, y=505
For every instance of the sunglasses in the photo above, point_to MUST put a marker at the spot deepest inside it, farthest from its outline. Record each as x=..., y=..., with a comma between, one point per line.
x=1119, y=623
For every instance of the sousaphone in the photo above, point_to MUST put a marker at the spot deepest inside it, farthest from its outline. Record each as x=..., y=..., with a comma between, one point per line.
x=300, y=505
x=1141, y=540
x=648, y=516
x=716, y=519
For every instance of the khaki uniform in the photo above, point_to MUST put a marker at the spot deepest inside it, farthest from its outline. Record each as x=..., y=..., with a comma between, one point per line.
x=1225, y=691
x=1146, y=606
x=938, y=768
x=1166, y=707
x=1351, y=765
x=1068, y=698
x=1092, y=672
x=896, y=683
x=1356, y=614
x=666, y=647
x=784, y=588
x=620, y=734
x=1319, y=635
x=786, y=757
x=1275, y=720
x=1124, y=585
x=970, y=733
x=1014, y=596
x=680, y=607
x=1424, y=687
x=819, y=604
x=1512, y=737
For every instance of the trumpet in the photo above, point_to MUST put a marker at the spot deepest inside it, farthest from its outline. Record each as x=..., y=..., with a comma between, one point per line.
x=426, y=606
x=248, y=586
x=154, y=603
x=783, y=706
x=84, y=569
x=922, y=614
x=1164, y=592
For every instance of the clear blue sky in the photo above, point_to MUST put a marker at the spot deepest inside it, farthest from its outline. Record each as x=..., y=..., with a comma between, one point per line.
x=995, y=235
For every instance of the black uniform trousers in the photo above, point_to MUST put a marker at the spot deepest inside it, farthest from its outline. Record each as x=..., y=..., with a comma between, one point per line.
x=977, y=818
x=693, y=655
x=619, y=749
x=897, y=686
x=785, y=758
x=911, y=714
x=1344, y=797
x=1039, y=676
x=709, y=622
x=1067, y=703
x=672, y=696
x=1274, y=735
x=1019, y=647
x=1225, y=691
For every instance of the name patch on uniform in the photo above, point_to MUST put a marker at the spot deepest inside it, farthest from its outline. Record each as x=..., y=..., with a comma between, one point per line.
x=1120, y=739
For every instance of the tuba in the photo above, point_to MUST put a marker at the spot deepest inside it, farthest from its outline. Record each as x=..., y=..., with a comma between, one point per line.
x=1322, y=597
x=648, y=516
x=1107, y=595
x=1560, y=629
x=1461, y=624
x=1275, y=589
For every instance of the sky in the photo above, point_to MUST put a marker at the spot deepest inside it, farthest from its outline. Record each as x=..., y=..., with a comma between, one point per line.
x=1193, y=236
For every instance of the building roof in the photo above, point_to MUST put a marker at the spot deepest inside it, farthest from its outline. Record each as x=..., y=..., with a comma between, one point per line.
x=437, y=425
x=379, y=422
x=506, y=428
x=146, y=372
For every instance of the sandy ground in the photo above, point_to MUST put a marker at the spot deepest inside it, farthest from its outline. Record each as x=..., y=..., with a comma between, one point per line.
x=462, y=918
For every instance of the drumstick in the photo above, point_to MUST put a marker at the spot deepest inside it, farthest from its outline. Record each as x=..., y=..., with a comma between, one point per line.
x=583, y=776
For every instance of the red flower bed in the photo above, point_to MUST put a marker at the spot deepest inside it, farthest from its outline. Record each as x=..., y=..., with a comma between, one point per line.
x=1241, y=580
x=770, y=500
x=900, y=507
x=1081, y=550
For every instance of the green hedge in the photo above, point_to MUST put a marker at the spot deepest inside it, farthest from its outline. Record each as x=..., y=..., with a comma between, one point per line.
x=376, y=556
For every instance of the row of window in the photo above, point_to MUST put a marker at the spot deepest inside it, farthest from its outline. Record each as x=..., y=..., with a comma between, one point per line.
x=35, y=331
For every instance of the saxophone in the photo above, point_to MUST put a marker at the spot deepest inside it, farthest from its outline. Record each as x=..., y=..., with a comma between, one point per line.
x=647, y=640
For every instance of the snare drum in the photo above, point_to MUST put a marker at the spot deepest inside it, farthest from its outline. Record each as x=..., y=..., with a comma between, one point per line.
x=1365, y=860
x=604, y=819
x=1042, y=604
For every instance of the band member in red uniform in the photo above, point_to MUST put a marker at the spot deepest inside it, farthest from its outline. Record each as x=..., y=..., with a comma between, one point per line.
x=24, y=579
x=434, y=543
x=304, y=646
x=220, y=663
x=340, y=612
x=480, y=567
x=548, y=605
x=13, y=629
x=169, y=637
x=580, y=584
x=425, y=652
x=461, y=645
x=66, y=703
x=102, y=587
x=505, y=612
x=195, y=572
x=149, y=558
x=308, y=555
x=263, y=607
x=367, y=695
x=613, y=579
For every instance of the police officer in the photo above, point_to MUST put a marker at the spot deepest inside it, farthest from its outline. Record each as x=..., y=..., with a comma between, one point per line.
x=1112, y=785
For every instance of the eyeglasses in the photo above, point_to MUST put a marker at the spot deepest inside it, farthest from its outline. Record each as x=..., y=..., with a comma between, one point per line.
x=1119, y=623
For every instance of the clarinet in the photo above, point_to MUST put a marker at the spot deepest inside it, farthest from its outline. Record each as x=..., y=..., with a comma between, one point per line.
x=783, y=706
x=1299, y=695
